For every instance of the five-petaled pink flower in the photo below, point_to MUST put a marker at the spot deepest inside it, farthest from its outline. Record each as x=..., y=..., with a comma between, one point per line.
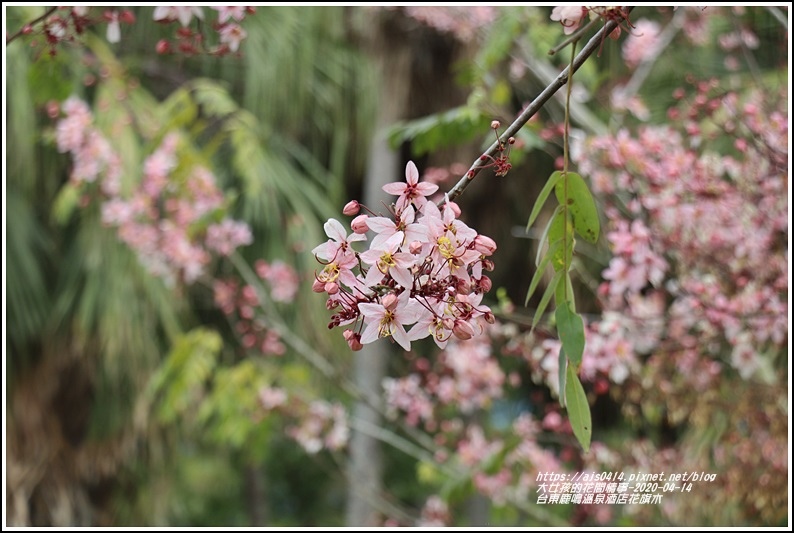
x=411, y=191
x=389, y=318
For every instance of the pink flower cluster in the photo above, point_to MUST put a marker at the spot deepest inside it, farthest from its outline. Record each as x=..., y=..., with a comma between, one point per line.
x=320, y=424
x=67, y=24
x=424, y=267
x=168, y=221
x=241, y=304
x=722, y=219
x=189, y=41
x=470, y=379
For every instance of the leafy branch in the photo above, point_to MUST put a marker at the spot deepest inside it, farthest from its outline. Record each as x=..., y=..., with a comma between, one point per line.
x=532, y=109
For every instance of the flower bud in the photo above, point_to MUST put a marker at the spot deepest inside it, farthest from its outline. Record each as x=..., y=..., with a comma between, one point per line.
x=484, y=245
x=495, y=124
x=462, y=286
x=163, y=47
x=359, y=224
x=331, y=287
x=353, y=340
x=455, y=208
x=318, y=286
x=351, y=208
x=415, y=247
x=463, y=330
x=487, y=264
x=489, y=317
x=485, y=284
x=127, y=17
x=389, y=301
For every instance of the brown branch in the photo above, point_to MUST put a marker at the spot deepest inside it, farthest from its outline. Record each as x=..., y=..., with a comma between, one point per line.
x=21, y=31
x=530, y=111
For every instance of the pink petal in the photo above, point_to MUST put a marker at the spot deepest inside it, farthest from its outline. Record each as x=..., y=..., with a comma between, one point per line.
x=402, y=276
x=381, y=224
x=334, y=229
x=401, y=337
x=411, y=173
x=371, y=333
x=372, y=311
x=396, y=188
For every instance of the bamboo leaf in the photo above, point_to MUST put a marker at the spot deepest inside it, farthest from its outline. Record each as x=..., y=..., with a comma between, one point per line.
x=570, y=326
x=584, y=213
x=555, y=177
x=578, y=408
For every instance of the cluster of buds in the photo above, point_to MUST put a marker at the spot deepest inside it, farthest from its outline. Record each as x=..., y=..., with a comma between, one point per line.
x=501, y=162
x=424, y=267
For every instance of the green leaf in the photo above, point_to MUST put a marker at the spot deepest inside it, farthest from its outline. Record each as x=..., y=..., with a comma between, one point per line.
x=51, y=78
x=578, y=408
x=66, y=201
x=541, y=268
x=561, y=232
x=543, y=196
x=570, y=326
x=581, y=205
x=563, y=370
x=565, y=293
x=544, y=301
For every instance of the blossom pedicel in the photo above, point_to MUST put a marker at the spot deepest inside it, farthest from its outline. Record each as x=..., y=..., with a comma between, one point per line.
x=423, y=268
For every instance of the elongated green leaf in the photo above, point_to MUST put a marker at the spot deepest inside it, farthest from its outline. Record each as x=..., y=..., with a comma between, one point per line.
x=555, y=177
x=541, y=268
x=578, y=408
x=65, y=203
x=563, y=371
x=564, y=293
x=544, y=301
x=581, y=205
x=571, y=329
x=562, y=258
x=545, y=233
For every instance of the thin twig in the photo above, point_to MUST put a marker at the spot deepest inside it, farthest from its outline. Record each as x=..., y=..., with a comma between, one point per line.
x=535, y=106
x=21, y=31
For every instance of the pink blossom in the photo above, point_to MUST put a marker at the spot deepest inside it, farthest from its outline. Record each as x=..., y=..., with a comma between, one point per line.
x=409, y=396
x=642, y=43
x=232, y=35
x=390, y=322
x=404, y=226
x=226, y=13
x=386, y=260
x=114, y=30
x=183, y=14
x=410, y=192
x=272, y=397
x=339, y=243
x=569, y=16
x=282, y=278
x=227, y=236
